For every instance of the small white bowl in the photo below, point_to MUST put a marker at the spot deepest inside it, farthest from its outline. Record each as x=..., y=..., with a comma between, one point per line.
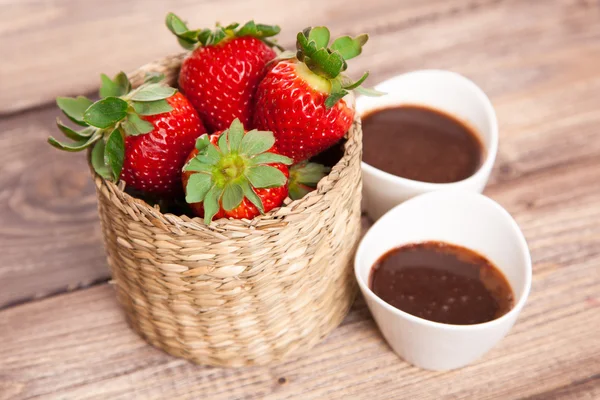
x=442, y=90
x=463, y=218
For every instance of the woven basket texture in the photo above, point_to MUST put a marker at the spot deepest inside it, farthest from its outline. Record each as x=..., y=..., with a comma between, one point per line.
x=237, y=292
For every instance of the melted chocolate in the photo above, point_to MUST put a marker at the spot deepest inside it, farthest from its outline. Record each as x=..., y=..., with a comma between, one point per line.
x=421, y=144
x=442, y=283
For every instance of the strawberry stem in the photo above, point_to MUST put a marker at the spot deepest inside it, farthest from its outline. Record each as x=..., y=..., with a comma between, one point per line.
x=190, y=39
x=329, y=61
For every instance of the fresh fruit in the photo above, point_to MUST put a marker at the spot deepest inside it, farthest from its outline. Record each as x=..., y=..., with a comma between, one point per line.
x=220, y=75
x=141, y=136
x=300, y=99
x=304, y=177
x=235, y=174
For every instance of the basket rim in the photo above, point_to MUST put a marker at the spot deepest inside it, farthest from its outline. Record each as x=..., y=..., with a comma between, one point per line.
x=275, y=214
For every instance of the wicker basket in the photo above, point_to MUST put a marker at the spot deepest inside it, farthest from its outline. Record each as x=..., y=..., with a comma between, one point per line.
x=239, y=292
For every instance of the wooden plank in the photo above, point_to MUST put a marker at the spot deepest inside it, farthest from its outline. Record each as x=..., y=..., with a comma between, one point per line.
x=61, y=47
x=585, y=389
x=546, y=99
x=50, y=234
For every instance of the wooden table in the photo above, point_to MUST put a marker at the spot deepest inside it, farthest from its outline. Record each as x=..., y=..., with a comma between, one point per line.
x=62, y=335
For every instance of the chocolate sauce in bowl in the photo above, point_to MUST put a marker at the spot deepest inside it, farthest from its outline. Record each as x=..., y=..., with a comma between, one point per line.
x=442, y=282
x=421, y=144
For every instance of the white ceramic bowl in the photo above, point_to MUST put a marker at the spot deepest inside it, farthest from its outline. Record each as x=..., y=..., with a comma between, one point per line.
x=463, y=218
x=443, y=90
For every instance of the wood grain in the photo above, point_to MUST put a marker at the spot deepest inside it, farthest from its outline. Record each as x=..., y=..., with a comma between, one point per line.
x=537, y=61
x=78, y=346
x=50, y=234
x=60, y=47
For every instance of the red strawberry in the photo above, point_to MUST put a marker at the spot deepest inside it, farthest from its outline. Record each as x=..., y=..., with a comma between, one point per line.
x=220, y=75
x=300, y=98
x=153, y=161
x=235, y=174
x=142, y=136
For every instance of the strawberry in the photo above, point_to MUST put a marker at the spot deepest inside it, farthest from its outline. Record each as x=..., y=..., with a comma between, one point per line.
x=220, y=75
x=304, y=178
x=235, y=174
x=300, y=99
x=141, y=136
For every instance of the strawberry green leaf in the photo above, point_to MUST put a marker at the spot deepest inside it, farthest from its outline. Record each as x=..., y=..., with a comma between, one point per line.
x=84, y=134
x=251, y=195
x=153, y=92
x=320, y=35
x=197, y=188
x=264, y=176
x=154, y=77
x=123, y=81
x=114, y=153
x=75, y=146
x=298, y=191
x=308, y=173
x=135, y=126
x=152, y=107
x=210, y=154
x=74, y=108
x=326, y=64
x=354, y=85
x=204, y=35
x=186, y=44
x=319, y=60
x=232, y=196
x=236, y=134
x=108, y=87
x=175, y=24
x=335, y=95
x=106, y=112
x=349, y=47
x=186, y=38
x=215, y=37
x=271, y=158
x=333, y=98
x=256, y=142
x=117, y=87
x=304, y=178
x=202, y=142
x=97, y=159
x=258, y=30
x=368, y=92
x=268, y=30
x=231, y=26
x=223, y=145
x=211, y=203
x=190, y=36
x=196, y=165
